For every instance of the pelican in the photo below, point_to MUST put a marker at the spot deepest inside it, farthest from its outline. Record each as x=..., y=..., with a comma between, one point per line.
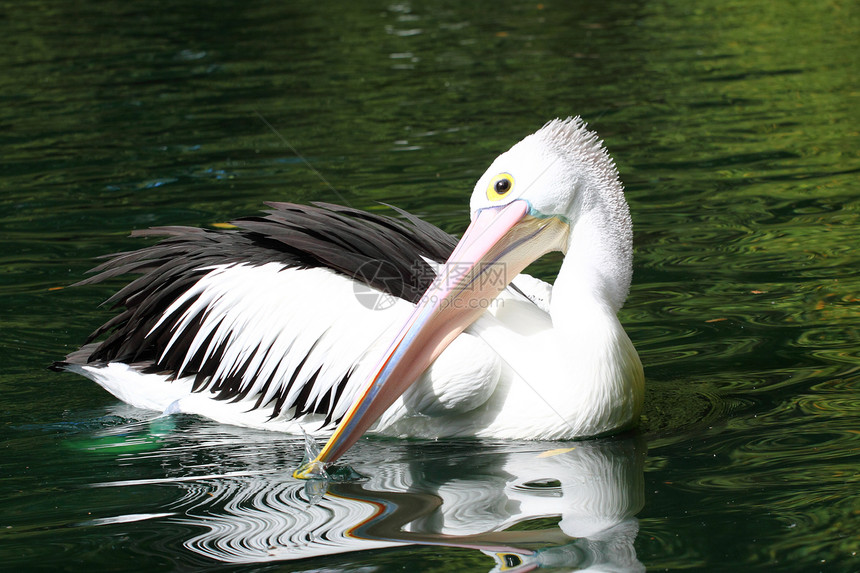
x=338, y=322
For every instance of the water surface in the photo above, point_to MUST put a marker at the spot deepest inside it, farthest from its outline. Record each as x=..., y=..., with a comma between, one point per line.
x=734, y=126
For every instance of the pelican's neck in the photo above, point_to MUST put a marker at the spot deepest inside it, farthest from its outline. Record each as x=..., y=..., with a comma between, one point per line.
x=589, y=289
x=599, y=254
x=606, y=378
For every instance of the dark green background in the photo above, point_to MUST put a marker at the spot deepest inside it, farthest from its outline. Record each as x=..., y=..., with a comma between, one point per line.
x=735, y=128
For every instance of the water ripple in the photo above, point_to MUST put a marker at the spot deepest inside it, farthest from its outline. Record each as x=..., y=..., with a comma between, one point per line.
x=552, y=505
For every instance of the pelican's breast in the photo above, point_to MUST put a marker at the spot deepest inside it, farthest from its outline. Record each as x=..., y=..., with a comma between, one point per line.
x=463, y=378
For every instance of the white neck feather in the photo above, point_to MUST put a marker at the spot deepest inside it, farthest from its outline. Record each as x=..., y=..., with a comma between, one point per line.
x=606, y=375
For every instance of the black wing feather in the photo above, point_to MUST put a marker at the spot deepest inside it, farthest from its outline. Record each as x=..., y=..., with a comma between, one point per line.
x=341, y=239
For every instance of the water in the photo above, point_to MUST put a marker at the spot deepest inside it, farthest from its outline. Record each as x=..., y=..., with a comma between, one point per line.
x=734, y=126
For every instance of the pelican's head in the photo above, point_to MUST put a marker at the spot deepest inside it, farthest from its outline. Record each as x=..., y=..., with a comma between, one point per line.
x=551, y=169
x=556, y=190
x=559, y=188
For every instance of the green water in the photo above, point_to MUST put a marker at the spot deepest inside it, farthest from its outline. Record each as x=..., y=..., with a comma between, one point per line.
x=735, y=129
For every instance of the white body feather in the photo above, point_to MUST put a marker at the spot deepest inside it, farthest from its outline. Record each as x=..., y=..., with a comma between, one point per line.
x=314, y=314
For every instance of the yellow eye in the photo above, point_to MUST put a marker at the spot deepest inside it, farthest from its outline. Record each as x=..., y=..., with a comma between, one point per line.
x=499, y=186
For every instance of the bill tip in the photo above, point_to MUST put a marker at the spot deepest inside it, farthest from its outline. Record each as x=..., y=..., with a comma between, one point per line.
x=311, y=470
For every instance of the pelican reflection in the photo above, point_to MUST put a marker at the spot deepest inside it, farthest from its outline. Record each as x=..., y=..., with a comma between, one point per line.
x=527, y=506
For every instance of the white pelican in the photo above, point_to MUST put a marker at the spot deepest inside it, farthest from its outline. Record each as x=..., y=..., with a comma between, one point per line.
x=269, y=325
